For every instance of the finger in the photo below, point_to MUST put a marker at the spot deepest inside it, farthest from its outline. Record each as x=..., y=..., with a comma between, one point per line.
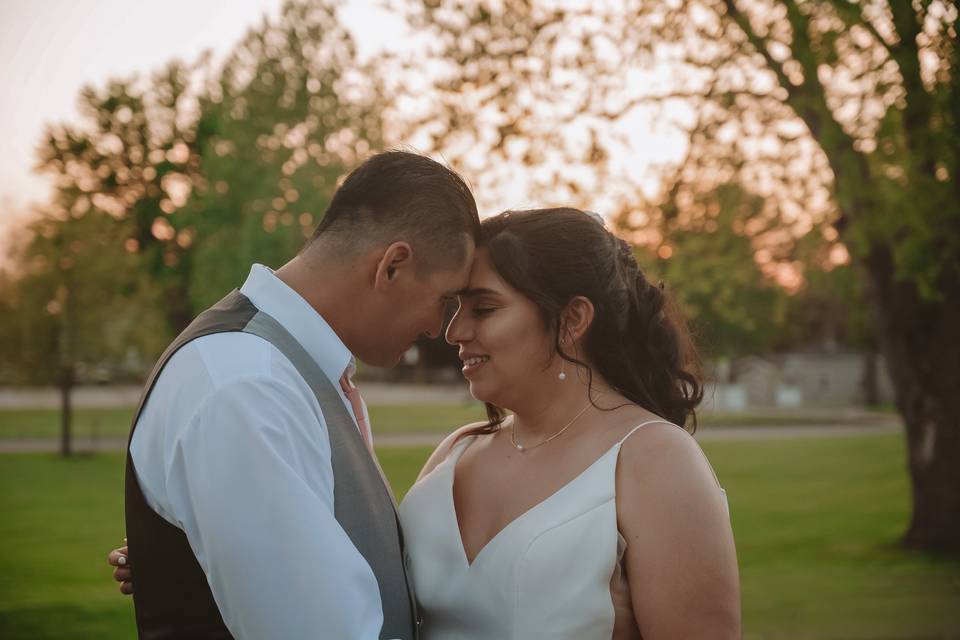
x=118, y=557
x=126, y=588
x=121, y=574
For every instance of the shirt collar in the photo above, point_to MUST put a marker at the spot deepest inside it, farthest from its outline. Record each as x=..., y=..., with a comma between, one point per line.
x=272, y=296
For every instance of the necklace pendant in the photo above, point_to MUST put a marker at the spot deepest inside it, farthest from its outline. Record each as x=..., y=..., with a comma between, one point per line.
x=520, y=448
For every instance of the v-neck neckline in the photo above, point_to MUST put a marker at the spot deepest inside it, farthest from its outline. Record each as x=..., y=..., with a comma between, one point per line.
x=455, y=458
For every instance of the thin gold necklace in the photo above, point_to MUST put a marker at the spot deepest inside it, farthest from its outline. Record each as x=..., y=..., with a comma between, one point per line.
x=522, y=449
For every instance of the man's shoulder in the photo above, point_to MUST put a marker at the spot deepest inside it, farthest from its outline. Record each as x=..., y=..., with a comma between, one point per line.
x=223, y=373
x=215, y=366
x=223, y=357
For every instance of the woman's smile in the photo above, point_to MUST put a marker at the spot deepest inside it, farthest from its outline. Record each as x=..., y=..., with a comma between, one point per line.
x=472, y=363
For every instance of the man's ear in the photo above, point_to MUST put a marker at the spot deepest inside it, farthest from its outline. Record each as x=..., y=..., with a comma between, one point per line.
x=397, y=258
x=576, y=319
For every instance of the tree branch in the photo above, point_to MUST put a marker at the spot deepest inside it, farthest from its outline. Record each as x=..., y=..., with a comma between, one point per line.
x=917, y=114
x=709, y=93
x=851, y=17
x=759, y=45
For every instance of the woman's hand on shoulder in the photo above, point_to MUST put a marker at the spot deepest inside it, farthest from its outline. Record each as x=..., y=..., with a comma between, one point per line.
x=443, y=449
x=681, y=560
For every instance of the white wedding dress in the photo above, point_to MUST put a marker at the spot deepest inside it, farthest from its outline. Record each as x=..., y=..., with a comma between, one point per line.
x=554, y=572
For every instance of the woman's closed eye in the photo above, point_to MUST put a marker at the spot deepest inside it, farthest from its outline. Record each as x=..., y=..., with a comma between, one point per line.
x=483, y=311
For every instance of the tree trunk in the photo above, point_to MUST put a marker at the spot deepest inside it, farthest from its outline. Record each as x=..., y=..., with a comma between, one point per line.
x=66, y=412
x=871, y=394
x=179, y=309
x=919, y=340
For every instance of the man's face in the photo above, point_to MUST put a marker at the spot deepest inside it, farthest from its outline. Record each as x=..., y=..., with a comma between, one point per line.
x=416, y=307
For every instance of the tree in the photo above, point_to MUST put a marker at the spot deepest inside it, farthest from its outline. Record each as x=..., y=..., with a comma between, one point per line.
x=134, y=158
x=709, y=264
x=290, y=110
x=208, y=169
x=843, y=115
x=171, y=184
x=62, y=316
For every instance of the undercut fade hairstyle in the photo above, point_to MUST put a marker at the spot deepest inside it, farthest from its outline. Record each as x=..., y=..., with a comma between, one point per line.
x=638, y=341
x=402, y=196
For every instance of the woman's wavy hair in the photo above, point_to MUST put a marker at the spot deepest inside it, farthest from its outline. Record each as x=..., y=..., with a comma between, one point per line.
x=638, y=342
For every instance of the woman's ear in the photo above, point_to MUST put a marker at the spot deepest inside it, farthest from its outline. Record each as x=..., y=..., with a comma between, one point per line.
x=397, y=258
x=575, y=319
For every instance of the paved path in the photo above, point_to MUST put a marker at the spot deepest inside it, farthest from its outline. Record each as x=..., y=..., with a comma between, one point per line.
x=126, y=396
x=706, y=434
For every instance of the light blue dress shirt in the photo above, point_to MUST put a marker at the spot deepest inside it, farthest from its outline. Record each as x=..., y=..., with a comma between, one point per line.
x=232, y=448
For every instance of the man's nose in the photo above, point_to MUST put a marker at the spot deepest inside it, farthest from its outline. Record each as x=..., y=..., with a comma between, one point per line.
x=434, y=330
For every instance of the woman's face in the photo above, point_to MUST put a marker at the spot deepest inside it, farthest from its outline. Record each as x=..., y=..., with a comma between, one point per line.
x=504, y=345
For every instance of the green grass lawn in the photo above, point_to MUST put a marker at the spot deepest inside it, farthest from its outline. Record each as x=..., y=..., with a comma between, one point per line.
x=45, y=423
x=438, y=418
x=815, y=522
x=113, y=423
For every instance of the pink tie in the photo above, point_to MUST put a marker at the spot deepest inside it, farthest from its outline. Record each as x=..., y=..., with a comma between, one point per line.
x=356, y=402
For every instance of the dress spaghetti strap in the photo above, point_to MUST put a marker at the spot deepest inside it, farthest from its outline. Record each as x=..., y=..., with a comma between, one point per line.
x=700, y=449
x=643, y=424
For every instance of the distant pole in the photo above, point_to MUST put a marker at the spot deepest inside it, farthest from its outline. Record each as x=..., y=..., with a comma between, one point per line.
x=66, y=385
x=66, y=370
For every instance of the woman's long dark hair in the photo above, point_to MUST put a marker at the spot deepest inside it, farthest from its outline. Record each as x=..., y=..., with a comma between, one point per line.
x=638, y=342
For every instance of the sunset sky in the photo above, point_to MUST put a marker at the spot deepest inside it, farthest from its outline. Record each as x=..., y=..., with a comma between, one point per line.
x=51, y=48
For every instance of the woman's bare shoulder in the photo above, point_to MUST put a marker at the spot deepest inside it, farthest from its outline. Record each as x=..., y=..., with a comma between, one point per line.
x=660, y=445
x=445, y=447
x=662, y=461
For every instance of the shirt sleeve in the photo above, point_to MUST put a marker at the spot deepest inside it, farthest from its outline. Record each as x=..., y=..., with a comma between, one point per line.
x=251, y=484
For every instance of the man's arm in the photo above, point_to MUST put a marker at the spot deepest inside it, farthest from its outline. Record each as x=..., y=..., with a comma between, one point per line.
x=251, y=484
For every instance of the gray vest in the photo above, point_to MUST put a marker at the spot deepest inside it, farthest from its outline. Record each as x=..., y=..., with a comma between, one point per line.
x=172, y=598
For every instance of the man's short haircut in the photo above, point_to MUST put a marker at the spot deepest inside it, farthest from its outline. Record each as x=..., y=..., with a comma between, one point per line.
x=398, y=195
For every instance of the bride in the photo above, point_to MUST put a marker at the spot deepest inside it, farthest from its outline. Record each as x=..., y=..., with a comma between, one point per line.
x=581, y=508
x=587, y=512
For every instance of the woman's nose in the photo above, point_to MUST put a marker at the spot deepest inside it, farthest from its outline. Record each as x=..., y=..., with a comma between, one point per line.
x=457, y=330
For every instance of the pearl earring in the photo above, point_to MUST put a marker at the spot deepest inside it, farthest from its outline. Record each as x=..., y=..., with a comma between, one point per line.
x=562, y=376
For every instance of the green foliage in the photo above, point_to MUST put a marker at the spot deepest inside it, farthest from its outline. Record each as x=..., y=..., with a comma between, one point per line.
x=830, y=308
x=71, y=304
x=833, y=113
x=291, y=109
x=708, y=264
x=170, y=185
x=133, y=158
x=891, y=139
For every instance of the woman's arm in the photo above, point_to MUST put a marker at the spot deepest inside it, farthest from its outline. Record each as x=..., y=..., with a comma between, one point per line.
x=681, y=561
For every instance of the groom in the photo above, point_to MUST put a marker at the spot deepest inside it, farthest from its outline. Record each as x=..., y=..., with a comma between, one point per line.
x=255, y=507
